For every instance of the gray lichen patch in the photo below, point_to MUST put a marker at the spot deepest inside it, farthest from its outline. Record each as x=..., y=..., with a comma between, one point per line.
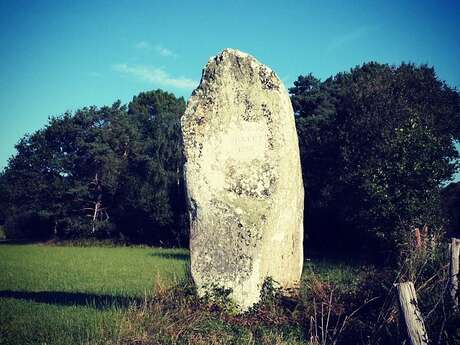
x=256, y=179
x=226, y=251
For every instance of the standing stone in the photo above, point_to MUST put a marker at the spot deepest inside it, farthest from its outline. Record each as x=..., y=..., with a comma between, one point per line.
x=243, y=178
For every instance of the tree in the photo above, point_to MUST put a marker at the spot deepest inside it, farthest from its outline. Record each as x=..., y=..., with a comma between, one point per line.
x=152, y=193
x=101, y=172
x=65, y=174
x=3, y=198
x=450, y=198
x=27, y=185
x=376, y=144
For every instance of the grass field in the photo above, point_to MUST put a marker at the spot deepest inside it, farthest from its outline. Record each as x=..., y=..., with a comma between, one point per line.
x=79, y=295
x=76, y=295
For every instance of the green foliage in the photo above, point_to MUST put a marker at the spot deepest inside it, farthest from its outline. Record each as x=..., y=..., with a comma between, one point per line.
x=376, y=145
x=270, y=291
x=153, y=192
x=218, y=297
x=450, y=198
x=101, y=172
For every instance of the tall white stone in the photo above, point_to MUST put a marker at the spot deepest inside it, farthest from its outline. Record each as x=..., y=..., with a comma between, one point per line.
x=243, y=179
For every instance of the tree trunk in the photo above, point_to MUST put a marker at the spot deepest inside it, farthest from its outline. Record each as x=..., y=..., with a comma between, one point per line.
x=412, y=316
x=98, y=204
x=454, y=269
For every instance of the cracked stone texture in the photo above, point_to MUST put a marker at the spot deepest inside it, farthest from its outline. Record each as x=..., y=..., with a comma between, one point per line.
x=243, y=178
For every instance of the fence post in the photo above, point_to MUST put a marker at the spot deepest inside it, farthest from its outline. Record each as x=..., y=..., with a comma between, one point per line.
x=454, y=269
x=412, y=316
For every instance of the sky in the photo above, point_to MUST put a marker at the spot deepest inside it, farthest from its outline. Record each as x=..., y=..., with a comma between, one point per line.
x=57, y=56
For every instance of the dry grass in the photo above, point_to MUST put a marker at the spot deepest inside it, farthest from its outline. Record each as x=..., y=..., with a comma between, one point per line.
x=177, y=316
x=317, y=314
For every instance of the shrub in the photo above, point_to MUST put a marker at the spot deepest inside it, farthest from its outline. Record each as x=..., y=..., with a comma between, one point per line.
x=29, y=225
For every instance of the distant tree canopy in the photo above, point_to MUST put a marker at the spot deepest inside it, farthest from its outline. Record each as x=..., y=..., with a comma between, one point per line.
x=102, y=172
x=376, y=145
x=451, y=208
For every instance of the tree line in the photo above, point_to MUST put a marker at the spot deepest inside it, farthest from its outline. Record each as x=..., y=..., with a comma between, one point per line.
x=377, y=147
x=109, y=172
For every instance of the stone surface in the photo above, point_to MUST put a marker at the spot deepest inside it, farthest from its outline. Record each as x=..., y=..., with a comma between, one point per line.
x=243, y=178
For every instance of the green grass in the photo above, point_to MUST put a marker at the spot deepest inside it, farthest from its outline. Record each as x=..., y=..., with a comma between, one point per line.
x=344, y=274
x=83, y=295
x=74, y=295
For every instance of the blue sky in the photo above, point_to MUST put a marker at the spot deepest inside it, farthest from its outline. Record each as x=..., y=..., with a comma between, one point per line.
x=61, y=55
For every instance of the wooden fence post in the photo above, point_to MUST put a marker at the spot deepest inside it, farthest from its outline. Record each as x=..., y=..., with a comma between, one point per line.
x=412, y=316
x=454, y=269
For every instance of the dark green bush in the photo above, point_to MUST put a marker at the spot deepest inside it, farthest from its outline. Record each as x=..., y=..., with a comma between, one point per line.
x=29, y=225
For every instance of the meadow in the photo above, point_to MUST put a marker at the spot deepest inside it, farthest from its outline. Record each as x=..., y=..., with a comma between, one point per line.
x=53, y=294
x=76, y=295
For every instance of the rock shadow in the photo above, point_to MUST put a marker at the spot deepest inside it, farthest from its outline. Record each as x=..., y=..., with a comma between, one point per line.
x=72, y=298
x=176, y=256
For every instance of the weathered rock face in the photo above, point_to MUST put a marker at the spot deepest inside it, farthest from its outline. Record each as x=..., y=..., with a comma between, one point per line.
x=243, y=179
